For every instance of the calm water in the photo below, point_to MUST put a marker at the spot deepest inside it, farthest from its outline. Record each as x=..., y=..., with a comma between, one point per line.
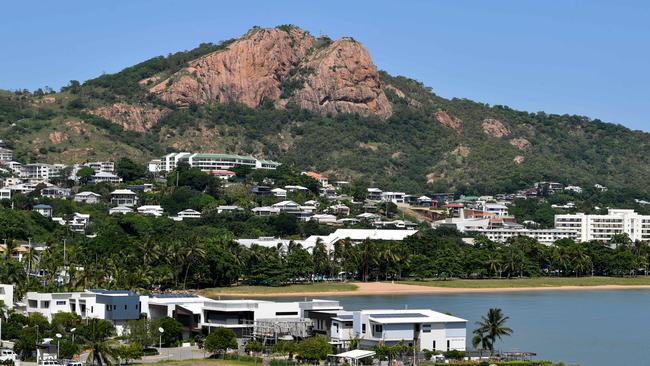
x=591, y=328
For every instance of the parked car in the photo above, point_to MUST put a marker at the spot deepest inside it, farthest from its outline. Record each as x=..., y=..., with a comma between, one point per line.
x=7, y=355
x=49, y=363
x=74, y=363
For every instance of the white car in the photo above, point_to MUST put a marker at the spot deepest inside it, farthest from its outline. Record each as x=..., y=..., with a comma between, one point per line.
x=49, y=363
x=74, y=363
x=7, y=355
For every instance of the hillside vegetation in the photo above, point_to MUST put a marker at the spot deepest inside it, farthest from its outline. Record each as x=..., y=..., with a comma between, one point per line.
x=428, y=143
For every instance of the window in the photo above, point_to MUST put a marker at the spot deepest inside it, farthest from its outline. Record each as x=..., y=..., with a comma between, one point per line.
x=124, y=306
x=60, y=302
x=45, y=304
x=363, y=328
x=448, y=344
x=378, y=328
x=434, y=346
x=280, y=313
x=426, y=328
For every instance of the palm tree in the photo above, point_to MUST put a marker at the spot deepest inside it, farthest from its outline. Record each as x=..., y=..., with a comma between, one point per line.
x=96, y=339
x=481, y=339
x=493, y=327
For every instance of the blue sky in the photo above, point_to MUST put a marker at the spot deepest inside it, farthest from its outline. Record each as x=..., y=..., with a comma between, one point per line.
x=580, y=57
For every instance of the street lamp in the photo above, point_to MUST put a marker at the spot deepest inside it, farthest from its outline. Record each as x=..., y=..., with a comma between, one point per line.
x=161, y=330
x=72, y=331
x=58, y=345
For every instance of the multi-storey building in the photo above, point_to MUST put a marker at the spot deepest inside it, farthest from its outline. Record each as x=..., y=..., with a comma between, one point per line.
x=604, y=227
x=116, y=306
x=210, y=162
x=6, y=155
x=544, y=236
x=101, y=166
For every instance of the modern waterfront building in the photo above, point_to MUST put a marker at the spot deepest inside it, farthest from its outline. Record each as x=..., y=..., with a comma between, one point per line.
x=422, y=328
x=604, y=227
x=211, y=162
x=116, y=306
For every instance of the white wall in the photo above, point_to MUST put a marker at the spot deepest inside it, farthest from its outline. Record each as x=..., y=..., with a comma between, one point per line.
x=7, y=295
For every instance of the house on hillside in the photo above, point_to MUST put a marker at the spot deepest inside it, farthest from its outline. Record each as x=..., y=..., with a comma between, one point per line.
x=104, y=177
x=324, y=182
x=123, y=210
x=55, y=192
x=374, y=194
x=123, y=197
x=279, y=192
x=87, y=197
x=45, y=210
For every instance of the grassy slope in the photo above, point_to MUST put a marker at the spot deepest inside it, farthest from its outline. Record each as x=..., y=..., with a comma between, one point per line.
x=536, y=282
x=264, y=290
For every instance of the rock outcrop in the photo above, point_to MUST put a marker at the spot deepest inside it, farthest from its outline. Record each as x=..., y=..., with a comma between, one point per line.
x=520, y=143
x=131, y=117
x=282, y=65
x=448, y=121
x=495, y=128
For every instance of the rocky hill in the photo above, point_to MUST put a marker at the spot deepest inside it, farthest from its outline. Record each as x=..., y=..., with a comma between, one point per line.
x=320, y=104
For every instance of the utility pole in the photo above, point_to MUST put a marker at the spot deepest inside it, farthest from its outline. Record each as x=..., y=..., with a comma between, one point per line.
x=29, y=266
x=64, y=256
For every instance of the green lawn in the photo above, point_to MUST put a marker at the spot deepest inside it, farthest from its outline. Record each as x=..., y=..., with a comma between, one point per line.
x=535, y=282
x=267, y=290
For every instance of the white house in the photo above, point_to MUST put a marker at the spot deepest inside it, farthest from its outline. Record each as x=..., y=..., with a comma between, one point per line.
x=45, y=210
x=101, y=166
x=223, y=174
x=374, y=194
x=123, y=197
x=495, y=208
x=395, y=197
x=87, y=197
x=151, y=210
x=279, y=192
x=189, y=214
x=104, y=177
x=292, y=188
x=422, y=328
x=56, y=192
x=79, y=222
x=123, y=210
x=7, y=295
x=226, y=208
x=323, y=219
x=5, y=194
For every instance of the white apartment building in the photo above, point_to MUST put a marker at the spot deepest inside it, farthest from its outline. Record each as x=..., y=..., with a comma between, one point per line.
x=544, y=236
x=6, y=155
x=116, y=306
x=209, y=162
x=496, y=208
x=39, y=171
x=101, y=166
x=5, y=194
x=603, y=227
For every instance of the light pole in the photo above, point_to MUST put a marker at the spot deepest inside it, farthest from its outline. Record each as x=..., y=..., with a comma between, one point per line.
x=72, y=331
x=58, y=345
x=161, y=331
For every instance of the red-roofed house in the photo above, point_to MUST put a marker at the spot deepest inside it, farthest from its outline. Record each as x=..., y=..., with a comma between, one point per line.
x=223, y=174
x=319, y=177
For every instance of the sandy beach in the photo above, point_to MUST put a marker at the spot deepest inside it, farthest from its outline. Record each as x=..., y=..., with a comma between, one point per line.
x=387, y=288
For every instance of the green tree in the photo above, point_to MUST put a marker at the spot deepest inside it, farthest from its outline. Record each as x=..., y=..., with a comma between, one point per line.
x=220, y=340
x=96, y=338
x=84, y=174
x=173, y=330
x=129, y=170
x=314, y=348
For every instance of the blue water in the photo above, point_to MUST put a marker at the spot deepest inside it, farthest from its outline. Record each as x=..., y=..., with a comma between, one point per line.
x=589, y=328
